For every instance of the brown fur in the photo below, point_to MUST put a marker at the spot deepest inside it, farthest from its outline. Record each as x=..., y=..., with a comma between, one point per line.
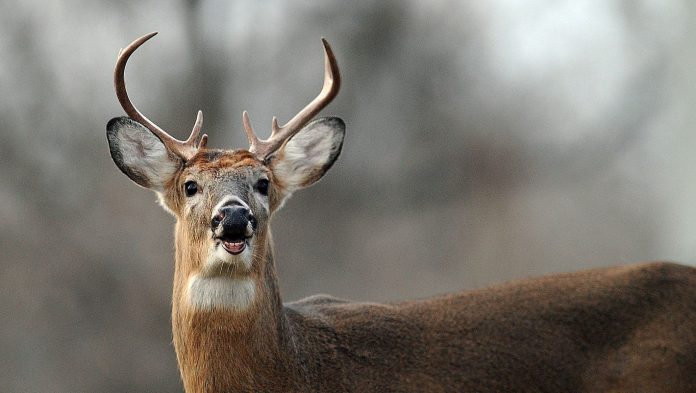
x=623, y=329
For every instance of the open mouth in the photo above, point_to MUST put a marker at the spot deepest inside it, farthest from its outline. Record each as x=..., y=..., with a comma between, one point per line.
x=234, y=246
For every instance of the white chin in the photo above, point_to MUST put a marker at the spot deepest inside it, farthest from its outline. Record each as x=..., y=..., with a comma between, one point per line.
x=217, y=256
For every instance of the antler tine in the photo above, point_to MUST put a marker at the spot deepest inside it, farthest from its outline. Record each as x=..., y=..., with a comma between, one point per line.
x=280, y=135
x=203, y=142
x=185, y=149
x=249, y=130
x=197, y=127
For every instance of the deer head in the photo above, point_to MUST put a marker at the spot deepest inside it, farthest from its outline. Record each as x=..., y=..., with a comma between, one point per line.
x=223, y=200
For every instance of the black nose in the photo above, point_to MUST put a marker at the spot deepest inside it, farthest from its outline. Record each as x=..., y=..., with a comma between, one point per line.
x=231, y=221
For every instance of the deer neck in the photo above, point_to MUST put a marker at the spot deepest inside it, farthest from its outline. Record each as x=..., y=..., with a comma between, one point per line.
x=238, y=347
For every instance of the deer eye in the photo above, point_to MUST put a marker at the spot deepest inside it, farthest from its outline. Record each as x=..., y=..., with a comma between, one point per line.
x=190, y=188
x=262, y=186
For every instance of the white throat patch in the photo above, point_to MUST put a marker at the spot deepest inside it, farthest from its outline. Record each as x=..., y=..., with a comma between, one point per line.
x=207, y=293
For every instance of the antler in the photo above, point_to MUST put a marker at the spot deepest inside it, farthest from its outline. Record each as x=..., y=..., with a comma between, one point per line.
x=184, y=149
x=279, y=135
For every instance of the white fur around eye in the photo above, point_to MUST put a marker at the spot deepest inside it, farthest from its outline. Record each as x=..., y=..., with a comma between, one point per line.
x=190, y=202
x=260, y=198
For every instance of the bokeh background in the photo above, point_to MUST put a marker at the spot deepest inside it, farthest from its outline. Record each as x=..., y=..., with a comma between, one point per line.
x=487, y=140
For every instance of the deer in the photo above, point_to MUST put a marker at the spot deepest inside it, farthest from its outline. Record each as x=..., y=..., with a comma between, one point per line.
x=628, y=328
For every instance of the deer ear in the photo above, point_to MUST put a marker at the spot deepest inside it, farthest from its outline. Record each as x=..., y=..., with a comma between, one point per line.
x=139, y=154
x=305, y=158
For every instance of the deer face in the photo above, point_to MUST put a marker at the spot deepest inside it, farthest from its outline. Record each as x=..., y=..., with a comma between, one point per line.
x=223, y=199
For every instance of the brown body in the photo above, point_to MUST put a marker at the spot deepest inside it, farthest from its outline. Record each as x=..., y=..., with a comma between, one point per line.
x=624, y=329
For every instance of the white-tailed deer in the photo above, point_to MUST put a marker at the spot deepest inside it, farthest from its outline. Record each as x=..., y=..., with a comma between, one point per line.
x=623, y=329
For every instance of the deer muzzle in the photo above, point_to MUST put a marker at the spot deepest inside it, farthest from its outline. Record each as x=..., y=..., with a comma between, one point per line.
x=233, y=225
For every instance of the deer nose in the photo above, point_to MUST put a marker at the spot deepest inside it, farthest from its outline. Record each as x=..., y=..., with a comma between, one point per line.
x=232, y=222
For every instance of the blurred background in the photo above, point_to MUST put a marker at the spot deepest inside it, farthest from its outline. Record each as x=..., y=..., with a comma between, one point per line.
x=486, y=141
